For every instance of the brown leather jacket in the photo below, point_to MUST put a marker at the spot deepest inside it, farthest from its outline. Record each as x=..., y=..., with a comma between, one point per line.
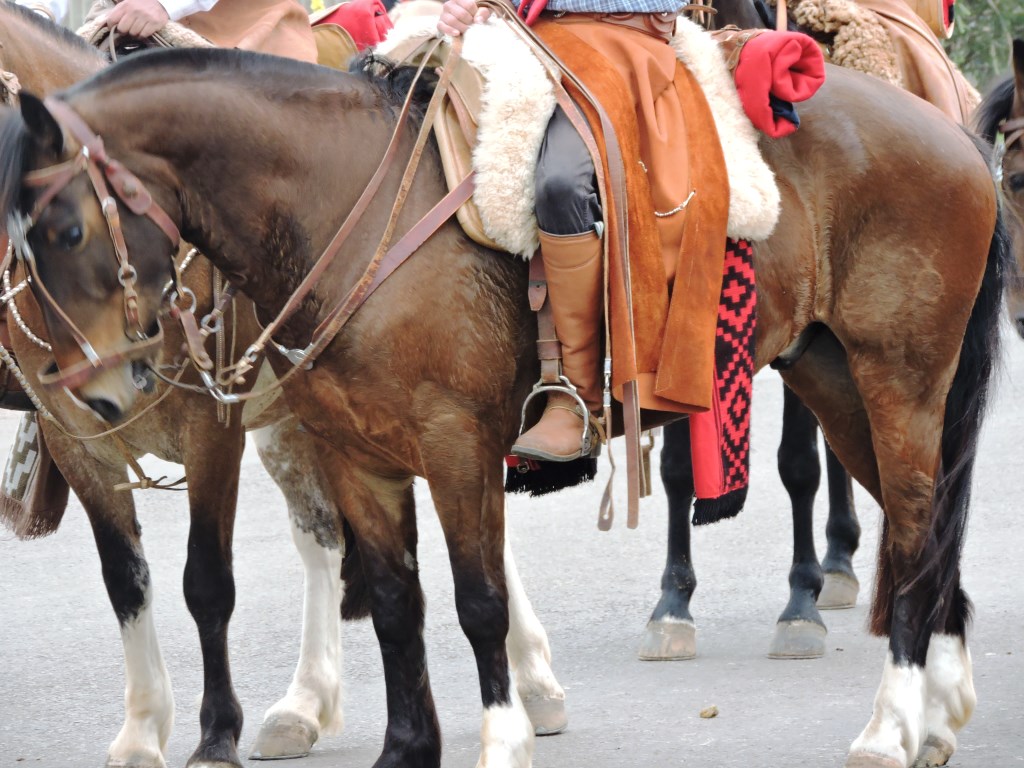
x=279, y=27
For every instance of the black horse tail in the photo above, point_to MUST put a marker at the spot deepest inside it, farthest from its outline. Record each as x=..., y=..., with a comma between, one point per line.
x=965, y=409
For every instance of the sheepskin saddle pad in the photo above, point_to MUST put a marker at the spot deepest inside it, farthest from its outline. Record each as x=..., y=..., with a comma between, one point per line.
x=484, y=127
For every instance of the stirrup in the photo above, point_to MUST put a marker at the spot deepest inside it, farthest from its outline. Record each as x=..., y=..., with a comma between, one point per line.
x=591, y=427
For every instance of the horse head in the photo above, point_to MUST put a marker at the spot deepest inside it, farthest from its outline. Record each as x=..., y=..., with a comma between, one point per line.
x=93, y=266
x=1012, y=175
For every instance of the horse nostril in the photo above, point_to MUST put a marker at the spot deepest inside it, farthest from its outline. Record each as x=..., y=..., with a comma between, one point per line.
x=1018, y=324
x=106, y=409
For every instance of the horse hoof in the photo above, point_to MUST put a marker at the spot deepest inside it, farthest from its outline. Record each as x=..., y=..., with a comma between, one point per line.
x=839, y=591
x=668, y=641
x=136, y=761
x=547, y=714
x=935, y=752
x=870, y=760
x=797, y=640
x=281, y=738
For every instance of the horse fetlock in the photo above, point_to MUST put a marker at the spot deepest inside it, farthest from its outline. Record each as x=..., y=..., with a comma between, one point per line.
x=951, y=698
x=895, y=733
x=506, y=737
x=141, y=741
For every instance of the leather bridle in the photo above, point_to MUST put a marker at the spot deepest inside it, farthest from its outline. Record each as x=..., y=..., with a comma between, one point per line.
x=1013, y=131
x=108, y=178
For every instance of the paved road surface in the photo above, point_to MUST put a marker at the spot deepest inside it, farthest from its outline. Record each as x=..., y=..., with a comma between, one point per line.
x=61, y=667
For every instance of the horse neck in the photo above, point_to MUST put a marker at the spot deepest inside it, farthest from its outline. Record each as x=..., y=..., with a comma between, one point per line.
x=264, y=183
x=43, y=60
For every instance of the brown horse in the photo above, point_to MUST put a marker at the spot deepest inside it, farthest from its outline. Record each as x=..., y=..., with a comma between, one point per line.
x=185, y=428
x=880, y=296
x=1002, y=112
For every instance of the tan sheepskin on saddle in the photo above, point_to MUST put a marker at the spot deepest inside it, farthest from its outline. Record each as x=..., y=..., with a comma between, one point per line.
x=517, y=100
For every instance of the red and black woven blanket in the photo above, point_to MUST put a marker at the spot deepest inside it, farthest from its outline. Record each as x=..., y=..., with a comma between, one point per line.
x=720, y=438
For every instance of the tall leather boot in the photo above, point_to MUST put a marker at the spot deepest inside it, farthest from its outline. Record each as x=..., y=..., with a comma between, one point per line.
x=574, y=265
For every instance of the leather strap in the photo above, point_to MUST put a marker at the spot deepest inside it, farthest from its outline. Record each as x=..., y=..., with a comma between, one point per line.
x=350, y=222
x=376, y=273
x=1012, y=130
x=549, y=348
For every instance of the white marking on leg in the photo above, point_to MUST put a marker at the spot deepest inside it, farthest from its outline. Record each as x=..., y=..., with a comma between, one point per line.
x=148, y=700
x=896, y=729
x=528, y=650
x=950, y=696
x=506, y=736
x=315, y=691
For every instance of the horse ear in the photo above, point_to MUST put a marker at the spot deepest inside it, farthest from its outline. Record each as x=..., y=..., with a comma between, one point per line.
x=41, y=124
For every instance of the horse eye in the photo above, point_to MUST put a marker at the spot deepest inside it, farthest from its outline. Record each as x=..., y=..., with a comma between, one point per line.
x=71, y=237
x=1016, y=182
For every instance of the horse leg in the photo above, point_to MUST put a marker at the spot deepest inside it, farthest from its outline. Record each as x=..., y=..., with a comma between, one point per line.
x=926, y=694
x=212, y=467
x=149, y=703
x=312, y=705
x=918, y=708
x=530, y=657
x=842, y=532
x=800, y=630
x=382, y=513
x=466, y=483
x=670, y=634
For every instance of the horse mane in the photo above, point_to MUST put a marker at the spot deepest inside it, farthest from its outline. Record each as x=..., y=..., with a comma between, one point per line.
x=55, y=31
x=994, y=108
x=14, y=150
x=386, y=83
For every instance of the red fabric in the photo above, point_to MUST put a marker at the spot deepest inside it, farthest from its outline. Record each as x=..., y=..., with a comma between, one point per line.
x=530, y=10
x=367, y=21
x=788, y=65
x=720, y=437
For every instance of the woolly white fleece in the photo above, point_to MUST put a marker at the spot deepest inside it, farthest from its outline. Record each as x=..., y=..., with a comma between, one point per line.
x=518, y=102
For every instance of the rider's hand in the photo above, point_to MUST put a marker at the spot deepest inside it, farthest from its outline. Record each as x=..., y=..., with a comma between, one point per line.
x=458, y=15
x=137, y=18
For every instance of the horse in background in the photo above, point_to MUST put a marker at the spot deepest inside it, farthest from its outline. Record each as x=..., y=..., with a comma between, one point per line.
x=186, y=427
x=427, y=378
x=1000, y=120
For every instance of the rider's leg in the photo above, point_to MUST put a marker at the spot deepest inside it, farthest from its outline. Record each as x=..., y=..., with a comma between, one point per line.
x=568, y=212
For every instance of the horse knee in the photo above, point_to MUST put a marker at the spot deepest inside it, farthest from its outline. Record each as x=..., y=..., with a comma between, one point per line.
x=483, y=614
x=209, y=587
x=799, y=466
x=125, y=571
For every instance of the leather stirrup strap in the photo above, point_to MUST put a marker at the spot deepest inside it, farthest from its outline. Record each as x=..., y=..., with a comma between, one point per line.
x=549, y=348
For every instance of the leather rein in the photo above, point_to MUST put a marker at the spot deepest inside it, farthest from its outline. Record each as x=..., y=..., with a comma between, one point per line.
x=93, y=160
